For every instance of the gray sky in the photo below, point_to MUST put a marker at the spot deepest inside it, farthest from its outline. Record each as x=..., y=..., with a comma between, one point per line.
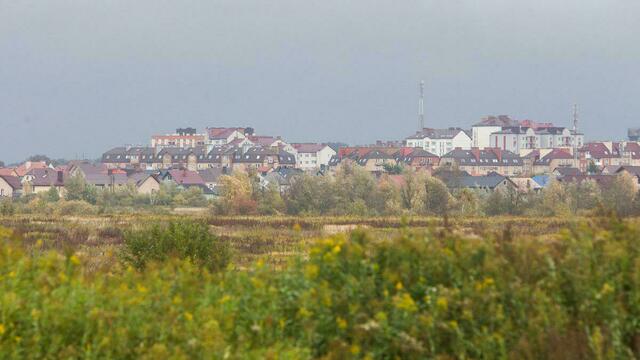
x=83, y=76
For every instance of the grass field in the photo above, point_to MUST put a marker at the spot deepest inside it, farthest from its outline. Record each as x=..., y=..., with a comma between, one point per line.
x=322, y=287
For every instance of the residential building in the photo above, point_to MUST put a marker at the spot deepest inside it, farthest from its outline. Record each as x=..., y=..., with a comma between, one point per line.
x=553, y=159
x=417, y=158
x=481, y=131
x=183, y=138
x=312, y=156
x=440, y=141
x=224, y=135
x=10, y=186
x=481, y=162
x=42, y=180
x=490, y=182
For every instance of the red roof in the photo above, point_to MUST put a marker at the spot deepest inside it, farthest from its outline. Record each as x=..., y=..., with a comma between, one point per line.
x=222, y=133
x=7, y=171
x=308, y=147
x=23, y=169
x=558, y=154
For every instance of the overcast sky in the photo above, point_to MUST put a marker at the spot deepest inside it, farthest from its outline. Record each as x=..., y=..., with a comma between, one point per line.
x=79, y=77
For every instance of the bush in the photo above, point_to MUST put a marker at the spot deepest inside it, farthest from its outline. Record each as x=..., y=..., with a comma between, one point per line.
x=75, y=207
x=182, y=239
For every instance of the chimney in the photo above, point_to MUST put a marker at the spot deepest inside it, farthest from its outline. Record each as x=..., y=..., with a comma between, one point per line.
x=475, y=152
x=498, y=153
x=60, y=177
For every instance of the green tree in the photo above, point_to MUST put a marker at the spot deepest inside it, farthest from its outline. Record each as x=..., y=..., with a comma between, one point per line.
x=436, y=196
x=52, y=195
x=412, y=193
x=76, y=188
x=620, y=194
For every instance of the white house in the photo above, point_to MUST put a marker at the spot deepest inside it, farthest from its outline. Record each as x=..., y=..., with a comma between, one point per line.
x=312, y=156
x=223, y=136
x=440, y=141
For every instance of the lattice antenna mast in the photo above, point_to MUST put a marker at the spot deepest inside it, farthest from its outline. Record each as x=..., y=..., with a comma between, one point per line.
x=421, y=106
x=575, y=134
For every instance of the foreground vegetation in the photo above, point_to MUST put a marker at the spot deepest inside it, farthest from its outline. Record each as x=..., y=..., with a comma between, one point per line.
x=426, y=293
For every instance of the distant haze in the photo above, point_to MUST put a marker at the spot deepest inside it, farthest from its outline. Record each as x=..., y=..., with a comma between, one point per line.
x=79, y=77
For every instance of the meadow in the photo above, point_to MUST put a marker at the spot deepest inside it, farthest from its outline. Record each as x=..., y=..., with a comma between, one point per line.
x=114, y=286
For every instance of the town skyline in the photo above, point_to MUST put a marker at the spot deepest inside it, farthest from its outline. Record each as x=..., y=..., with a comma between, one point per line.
x=116, y=71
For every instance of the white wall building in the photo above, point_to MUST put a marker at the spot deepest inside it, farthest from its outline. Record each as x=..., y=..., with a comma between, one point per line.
x=440, y=141
x=515, y=139
x=312, y=156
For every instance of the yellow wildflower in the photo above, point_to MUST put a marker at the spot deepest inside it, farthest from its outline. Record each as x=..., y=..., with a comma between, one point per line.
x=336, y=249
x=399, y=286
x=188, y=316
x=405, y=302
x=74, y=260
x=2, y=329
x=311, y=271
x=355, y=349
x=442, y=303
x=342, y=323
x=177, y=300
x=606, y=289
x=141, y=289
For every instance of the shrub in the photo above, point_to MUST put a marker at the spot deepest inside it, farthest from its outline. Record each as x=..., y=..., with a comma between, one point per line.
x=75, y=207
x=182, y=239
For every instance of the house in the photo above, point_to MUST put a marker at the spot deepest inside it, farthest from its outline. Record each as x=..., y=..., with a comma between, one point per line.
x=270, y=141
x=566, y=171
x=418, y=158
x=99, y=175
x=526, y=184
x=211, y=176
x=604, y=181
x=553, y=159
x=376, y=160
x=440, y=141
x=24, y=168
x=129, y=157
x=182, y=157
x=42, y=180
x=634, y=171
x=145, y=183
x=225, y=135
x=8, y=172
x=490, y=182
x=184, y=177
x=601, y=154
x=10, y=186
x=311, y=156
x=481, y=162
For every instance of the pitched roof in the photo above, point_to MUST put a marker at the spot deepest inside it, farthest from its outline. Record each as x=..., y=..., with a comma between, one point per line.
x=599, y=150
x=211, y=175
x=185, y=177
x=28, y=165
x=448, y=133
x=308, y=147
x=48, y=177
x=500, y=120
x=555, y=154
x=602, y=180
x=219, y=133
x=567, y=171
x=478, y=182
x=7, y=171
x=13, y=181
x=486, y=157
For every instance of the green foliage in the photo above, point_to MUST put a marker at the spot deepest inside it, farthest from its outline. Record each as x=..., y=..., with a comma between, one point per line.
x=393, y=169
x=52, y=195
x=416, y=296
x=76, y=188
x=620, y=195
x=437, y=195
x=181, y=239
x=6, y=207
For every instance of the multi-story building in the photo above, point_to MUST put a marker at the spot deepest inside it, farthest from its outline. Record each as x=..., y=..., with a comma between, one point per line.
x=482, y=162
x=183, y=138
x=312, y=156
x=440, y=141
x=225, y=135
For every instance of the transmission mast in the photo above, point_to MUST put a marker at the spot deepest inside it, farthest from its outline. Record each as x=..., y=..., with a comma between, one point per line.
x=575, y=135
x=421, y=106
